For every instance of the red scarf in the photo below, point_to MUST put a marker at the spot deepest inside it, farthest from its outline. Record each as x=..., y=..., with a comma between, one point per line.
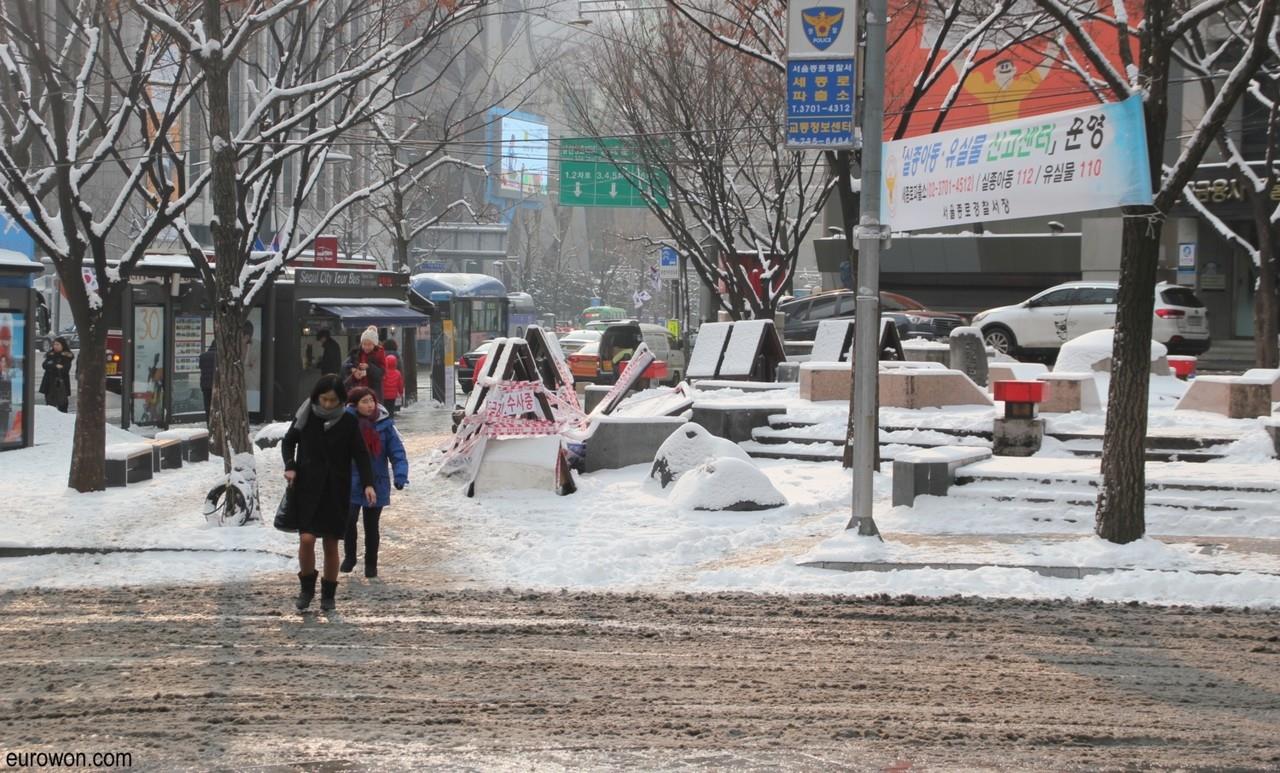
x=372, y=440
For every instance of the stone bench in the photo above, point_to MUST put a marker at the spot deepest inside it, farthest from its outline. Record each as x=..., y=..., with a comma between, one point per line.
x=930, y=471
x=128, y=463
x=821, y=381
x=927, y=351
x=733, y=422
x=195, y=442
x=1068, y=392
x=594, y=394
x=1235, y=397
x=166, y=454
x=1271, y=375
x=621, y=441
x=1015, y=371
x=928, y=388
x=707, y=385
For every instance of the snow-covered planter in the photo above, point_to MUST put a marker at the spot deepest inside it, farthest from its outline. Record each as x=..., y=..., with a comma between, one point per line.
x=1091, y=352
x=688, y=447
x=726, y=483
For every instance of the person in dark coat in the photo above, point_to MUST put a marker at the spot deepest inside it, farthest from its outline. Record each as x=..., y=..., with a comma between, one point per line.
x=330, y=353
x=56, y=384
x=366, y=364
x=385, y=450
x=208, y=369
x=319, y=450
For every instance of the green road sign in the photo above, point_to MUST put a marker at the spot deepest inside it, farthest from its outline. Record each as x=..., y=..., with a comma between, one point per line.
x=588, y=178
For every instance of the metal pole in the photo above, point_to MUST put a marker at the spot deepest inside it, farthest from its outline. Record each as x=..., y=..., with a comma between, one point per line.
x=867, y=304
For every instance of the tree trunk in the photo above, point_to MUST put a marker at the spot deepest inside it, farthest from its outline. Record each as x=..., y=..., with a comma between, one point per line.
x=89, y=443
x=1266, y=316
x=1120, y=513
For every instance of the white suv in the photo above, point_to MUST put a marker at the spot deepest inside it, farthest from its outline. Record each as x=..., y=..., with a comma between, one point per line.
x=1040, y=325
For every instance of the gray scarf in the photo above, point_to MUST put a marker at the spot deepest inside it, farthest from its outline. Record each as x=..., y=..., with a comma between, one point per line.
x=308, y=408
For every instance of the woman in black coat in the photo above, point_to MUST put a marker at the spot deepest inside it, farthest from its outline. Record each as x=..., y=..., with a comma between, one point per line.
x=327, y=441
x=56, y=384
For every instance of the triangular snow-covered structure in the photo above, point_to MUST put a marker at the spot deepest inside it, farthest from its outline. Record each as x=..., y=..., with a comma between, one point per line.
x=749, y=350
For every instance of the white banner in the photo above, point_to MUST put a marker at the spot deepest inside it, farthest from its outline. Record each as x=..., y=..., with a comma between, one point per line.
x=1073, y=161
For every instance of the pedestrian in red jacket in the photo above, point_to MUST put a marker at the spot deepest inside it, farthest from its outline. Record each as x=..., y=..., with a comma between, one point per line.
x=392, y=385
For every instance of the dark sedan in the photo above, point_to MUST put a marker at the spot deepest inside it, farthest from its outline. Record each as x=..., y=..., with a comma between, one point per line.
x=467, y=365
x=910, y=316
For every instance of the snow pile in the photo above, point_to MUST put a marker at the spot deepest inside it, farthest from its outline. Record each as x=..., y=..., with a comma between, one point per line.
x=726, y=483
x=1092, y=351
x=689, y=446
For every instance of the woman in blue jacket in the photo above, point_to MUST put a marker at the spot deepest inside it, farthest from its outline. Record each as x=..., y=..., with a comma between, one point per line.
x=385, y=451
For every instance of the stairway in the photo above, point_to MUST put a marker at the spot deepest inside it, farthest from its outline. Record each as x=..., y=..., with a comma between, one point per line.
x=787, y=438
x=1236, y=500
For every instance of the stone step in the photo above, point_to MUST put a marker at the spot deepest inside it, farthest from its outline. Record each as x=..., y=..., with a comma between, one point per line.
x=1087, y=497
x=1092, y=449
x=804, y=452
x=1066, y=474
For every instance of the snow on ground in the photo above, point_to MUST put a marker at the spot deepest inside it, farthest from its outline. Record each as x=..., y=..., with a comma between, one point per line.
x=622, y=532
x=162, y=514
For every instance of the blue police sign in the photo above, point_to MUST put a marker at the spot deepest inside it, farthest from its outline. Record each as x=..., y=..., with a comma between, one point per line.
x=820, y=103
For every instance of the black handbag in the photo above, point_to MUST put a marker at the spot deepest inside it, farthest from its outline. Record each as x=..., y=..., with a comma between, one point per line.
x=287, y=512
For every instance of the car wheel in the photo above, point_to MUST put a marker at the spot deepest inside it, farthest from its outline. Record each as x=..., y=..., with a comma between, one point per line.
x=1000, y=338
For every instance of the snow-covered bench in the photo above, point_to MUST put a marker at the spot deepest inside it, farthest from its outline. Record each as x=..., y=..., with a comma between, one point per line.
x=621, y=441
x=128, y=463
x=195, y=442
x=929, y=388
x=1236, y=397
x=734, y=421
x=930, y=471
x=1070, y=392
x=1271, y=375
x=166, y=453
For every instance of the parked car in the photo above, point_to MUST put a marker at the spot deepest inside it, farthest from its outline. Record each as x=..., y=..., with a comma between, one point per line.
x=620, y=339
x=576, y=339
x=911, y=317
x=584, y=364
x=467, y=365
x=1039, y=326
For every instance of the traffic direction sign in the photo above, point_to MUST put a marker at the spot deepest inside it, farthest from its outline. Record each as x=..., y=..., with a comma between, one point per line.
x=599, y=173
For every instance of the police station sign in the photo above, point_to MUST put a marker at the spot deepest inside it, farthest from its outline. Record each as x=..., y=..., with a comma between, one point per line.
x=1074, y=161
x=822, y=40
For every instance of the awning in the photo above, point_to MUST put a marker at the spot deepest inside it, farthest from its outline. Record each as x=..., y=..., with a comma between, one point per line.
x=357, y=316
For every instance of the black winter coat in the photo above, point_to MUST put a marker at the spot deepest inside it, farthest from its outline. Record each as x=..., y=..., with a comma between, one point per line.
x=56, y=384
x=323, y=462
x=208, y=367
x=330, y=357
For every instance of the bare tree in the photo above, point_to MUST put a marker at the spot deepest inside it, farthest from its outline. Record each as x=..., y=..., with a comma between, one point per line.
x=701, y=137
x=1166, y=33
x=1254, y=183
x=88, y=167
x=317, y=72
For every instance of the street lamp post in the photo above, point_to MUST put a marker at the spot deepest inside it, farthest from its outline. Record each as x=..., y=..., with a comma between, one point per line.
x=871, y=234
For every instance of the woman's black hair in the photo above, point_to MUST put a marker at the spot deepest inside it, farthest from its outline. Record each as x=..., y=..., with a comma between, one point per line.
x=66, y=345
x=329, y=383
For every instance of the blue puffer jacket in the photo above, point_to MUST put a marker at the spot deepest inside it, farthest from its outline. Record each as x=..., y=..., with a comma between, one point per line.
x=392, y=457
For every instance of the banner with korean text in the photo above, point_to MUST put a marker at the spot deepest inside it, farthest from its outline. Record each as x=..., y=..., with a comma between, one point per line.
x=1073, y=161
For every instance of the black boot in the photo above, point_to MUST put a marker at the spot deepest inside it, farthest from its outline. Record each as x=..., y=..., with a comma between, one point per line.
x=308, y=592
x=328, y=590
x=370, y=563
x=348, y=562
